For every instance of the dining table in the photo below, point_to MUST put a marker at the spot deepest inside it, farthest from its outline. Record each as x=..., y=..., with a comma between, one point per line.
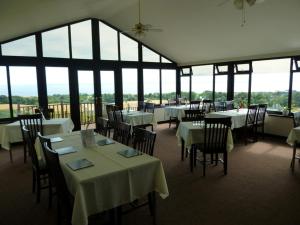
x=11, y=133
x=135, y=118
x=294, y=140
x=176, y=111
x=238, y=116
x=113, y=179
x=192, y=132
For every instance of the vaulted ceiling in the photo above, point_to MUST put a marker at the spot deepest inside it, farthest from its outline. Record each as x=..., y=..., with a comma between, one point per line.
x=194, y=31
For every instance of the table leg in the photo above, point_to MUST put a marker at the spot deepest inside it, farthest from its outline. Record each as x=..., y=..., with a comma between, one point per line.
x=182, y=149
x=293, y=157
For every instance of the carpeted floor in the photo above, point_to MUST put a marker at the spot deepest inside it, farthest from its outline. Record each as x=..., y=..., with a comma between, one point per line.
x=258, y=190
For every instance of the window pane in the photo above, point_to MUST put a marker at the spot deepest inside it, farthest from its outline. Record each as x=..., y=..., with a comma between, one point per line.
x=86, y=96
x=222, y=68
x=221, y=88
x=108, y=42
x=164, y=60
x=168, y=83
x=243, y=67
x=129, y=79
x=108, y=86
x=149, y=56
x=22, y=47
x=185, y=87
x=202, y=82
x=241, y=87
x=81, y=34
x=23, y=89
x=270, y=83
x=151, y=85
x=56, y=43
x=296, y=92
x=57, y=79
x=4, y=102
x=129, y=49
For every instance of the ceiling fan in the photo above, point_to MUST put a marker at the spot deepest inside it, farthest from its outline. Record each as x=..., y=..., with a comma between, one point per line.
x=241, y=4
x=139, y=29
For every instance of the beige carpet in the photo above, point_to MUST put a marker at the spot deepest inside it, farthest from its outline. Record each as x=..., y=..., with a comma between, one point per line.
x=258, y=190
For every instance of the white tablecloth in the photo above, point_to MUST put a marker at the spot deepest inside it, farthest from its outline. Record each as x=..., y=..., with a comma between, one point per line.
x=294, y=135
x=11, y=133
x=135, y=118
x=113, y=180
x=194, y=134
x=238, y=118
x=176, y=111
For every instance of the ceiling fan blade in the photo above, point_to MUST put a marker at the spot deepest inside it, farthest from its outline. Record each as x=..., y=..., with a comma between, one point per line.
x=223, y=2
x=251, y=2
x=155, y=29
x=239, y=4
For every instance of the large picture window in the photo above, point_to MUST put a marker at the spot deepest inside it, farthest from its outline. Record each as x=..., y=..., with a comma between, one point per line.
x=151, y=85
x=202, y=82
x=168, y=85
x=130, y=88
x=4, y=101
x=270, y=83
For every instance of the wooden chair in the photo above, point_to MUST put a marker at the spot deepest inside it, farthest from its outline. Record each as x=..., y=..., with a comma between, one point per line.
x=195, y=104
x=249, y=128
x=34, y=123
x=219, y=106
x=65, y=199
x=122, y=133
x=207, y=106
x=144, y=141
x=296, y=120
x=215, y=142
x=193, y=115
x=229, y=105
x=102, y=126
x=40, y=175
x=48, y=113
x=118, y=116
x=172, y=102
x=260, y=119
x=141, y=106
x=148, y=107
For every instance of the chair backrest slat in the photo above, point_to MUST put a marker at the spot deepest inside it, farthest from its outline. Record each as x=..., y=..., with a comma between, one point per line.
x=144, y=140
x=251, y=115
x=33, y=122
x=122, y=133
x=102, y=125
x=30, y=145
x=215, y=134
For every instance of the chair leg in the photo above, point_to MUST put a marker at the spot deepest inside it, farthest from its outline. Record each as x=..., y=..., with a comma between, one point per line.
x=38, y=189
x=10, y=156
x=225, y=163
x=25, y=153
x=50, y=194
x=170, y=122
x=182, y=149
x=204, y=163
x=152, y=206
x=293, y=158
x=191, y=159
x=33, y=180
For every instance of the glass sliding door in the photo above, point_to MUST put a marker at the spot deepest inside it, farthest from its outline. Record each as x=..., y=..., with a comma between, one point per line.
x=86, y=97
x=57, y=79
x=4, y=101
x=24, y=90
x=130, y=88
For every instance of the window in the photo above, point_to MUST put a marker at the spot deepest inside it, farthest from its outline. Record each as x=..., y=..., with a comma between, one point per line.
x=56, y=43
x=149, y=56
x=81, y=35
x=168, y=85
x=4, y=101
x=22, y=47
x=107, y=86
x=164, y=60
x=185, y=87
x=129, y=49
x=270, y=83
x=220, y=87
x=241, y=87
x=130, y=88
x=57, y=79
x=86, y=96
x=108, y=42
x=202, y=82
x=23, y=89
x=151, y=85
x=296, y=92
